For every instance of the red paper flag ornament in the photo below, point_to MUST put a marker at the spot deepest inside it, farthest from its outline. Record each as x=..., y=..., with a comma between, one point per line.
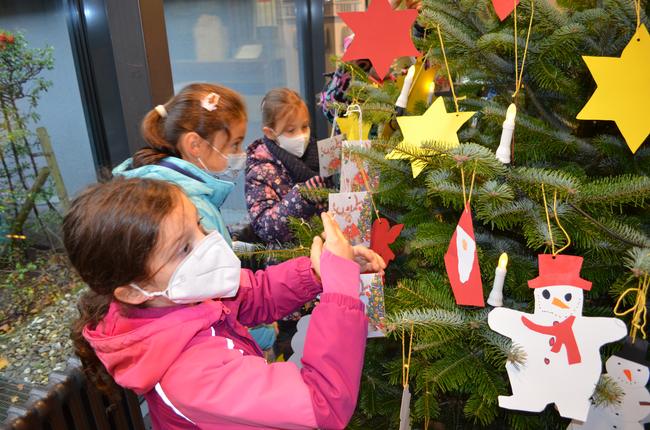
x=461, y=262
x=381, y=34
x=382, y=235
x=503, y=8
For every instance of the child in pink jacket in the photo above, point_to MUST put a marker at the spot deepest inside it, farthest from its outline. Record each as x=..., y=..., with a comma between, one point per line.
x=168, y=304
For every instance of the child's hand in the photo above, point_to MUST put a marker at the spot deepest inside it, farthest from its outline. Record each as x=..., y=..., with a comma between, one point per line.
x=335, y=243
x=369, y=260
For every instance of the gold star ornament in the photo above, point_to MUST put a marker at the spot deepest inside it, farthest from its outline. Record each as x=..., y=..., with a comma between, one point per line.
x=435, y=125
x=349, y=125
x=623, y=89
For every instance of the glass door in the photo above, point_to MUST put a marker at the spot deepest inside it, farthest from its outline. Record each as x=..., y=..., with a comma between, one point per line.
x=250, y=46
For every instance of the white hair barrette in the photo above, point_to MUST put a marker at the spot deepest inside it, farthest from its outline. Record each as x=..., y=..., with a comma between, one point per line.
x=210, y=102
x=161, y=111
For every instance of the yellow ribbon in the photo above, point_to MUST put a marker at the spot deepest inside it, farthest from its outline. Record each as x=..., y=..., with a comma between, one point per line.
x=519, y=74
x=557, y=220
x=451, y=81
x=639, y=310
x=406, y=362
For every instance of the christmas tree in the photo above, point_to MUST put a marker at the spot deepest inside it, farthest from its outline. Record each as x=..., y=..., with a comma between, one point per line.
x=571, y=185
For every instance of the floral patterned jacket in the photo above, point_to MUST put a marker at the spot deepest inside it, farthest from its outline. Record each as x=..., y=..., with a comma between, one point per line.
x=272, y=196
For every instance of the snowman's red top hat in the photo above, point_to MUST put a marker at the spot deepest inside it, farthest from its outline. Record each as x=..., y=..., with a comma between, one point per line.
x=559, y=270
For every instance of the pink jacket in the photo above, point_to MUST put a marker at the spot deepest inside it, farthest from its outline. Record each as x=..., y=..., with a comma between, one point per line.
x=199, y=368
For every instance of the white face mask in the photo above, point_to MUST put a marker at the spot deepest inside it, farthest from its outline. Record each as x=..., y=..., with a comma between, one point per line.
x=210, y=271
x=236, y=163
x=293, y=145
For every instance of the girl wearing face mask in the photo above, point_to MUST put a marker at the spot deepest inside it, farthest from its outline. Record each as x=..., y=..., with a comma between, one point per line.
x=195, y=140
x=166, y=307
x=280, y=165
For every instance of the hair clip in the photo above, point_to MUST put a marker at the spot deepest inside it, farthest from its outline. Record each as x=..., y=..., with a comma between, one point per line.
x=161, y=111
x=210, y=102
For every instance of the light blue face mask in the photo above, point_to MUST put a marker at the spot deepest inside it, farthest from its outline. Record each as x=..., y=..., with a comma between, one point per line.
x=236, y=163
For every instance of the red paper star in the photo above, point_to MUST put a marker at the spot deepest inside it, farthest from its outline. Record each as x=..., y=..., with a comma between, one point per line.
x=503, y=8
x=382, y=235
x=381, y=34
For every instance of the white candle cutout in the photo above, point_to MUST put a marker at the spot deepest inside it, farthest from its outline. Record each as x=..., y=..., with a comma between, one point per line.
x=432, y=88
x=496, y=295
x=403, y=98
x=503, y=151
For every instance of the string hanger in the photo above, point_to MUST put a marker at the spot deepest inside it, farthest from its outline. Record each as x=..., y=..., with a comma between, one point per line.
x=519, y=73
x=639, y=310
x=406, y=359
x=557, y=220
x=467, y=200
x=451, y=80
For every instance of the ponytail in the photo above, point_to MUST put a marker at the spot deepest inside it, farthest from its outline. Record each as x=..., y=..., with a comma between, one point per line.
x=153, y=132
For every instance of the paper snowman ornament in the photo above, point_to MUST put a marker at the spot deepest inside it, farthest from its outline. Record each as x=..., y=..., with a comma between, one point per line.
x=629, y=369
x=563, y=361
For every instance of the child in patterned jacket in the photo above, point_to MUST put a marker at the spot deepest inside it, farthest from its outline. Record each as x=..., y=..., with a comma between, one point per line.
x=282, y=167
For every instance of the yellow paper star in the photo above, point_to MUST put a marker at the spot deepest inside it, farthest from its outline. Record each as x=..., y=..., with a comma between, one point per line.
x=421, y=84
x=435, y=125
x=349, y=125
x=623, y=89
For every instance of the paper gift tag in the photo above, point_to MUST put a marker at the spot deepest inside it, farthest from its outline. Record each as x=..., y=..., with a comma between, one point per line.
x=352, y=166
x=329, y=155
x=372, y=295
x=352, y=212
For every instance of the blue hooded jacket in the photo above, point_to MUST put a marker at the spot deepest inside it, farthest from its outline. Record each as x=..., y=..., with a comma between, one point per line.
x=206, y=192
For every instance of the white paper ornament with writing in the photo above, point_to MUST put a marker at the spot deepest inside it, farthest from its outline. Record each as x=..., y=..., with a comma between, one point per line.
x=298, y=340
x=562, y=347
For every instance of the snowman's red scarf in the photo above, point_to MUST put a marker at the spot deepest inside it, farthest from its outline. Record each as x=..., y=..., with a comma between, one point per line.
x=563, y=333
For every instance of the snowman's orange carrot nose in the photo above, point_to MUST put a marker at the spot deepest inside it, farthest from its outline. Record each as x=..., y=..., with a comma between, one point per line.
x=559, y=303
x=628, y=374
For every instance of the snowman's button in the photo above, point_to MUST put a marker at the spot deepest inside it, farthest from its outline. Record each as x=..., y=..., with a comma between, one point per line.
x=546, y=361
x=551, y=341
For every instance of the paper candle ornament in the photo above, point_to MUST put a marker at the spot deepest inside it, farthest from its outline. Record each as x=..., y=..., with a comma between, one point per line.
x=627, y=107
x=503, y=151
x=419, y=91
x=432, y=88
x=381, y=34
x=461, y=262
x=629, y=369
x=403, y=98
x=496, y=295
x=562, y=363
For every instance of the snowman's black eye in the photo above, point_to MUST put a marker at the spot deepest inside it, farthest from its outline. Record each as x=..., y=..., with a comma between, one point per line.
x=546, y=294
x=567, y=297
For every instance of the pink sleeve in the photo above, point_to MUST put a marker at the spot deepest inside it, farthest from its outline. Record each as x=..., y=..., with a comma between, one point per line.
x=270, y=294
x=245, y=391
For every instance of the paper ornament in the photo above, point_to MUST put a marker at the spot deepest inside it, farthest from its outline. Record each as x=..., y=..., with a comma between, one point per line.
x=381, y=236
x=562, y=364
x=352, y=213
x=381, y=34
x=372, y=296
x=461, y=262
x=421, y=87
x=435, y=125
x=354, y=167
x=349, y=126
x=503, y=8
x=629, y=369
x=298, y=340
x=329, y=155
x=623, y=89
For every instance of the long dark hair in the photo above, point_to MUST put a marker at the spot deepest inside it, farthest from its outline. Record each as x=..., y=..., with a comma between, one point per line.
x=184, y=114
x=109, y=234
